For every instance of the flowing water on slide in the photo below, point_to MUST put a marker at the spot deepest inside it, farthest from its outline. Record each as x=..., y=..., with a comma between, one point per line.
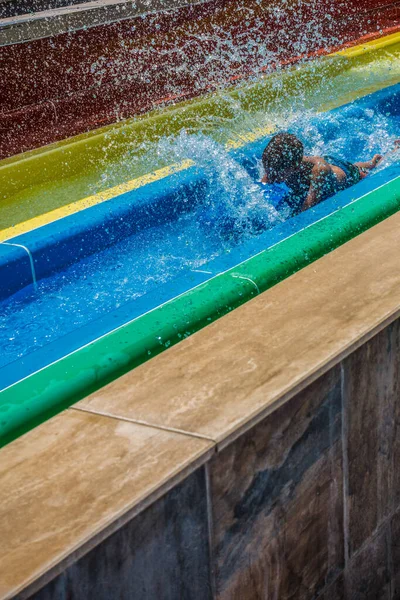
x=235, y=206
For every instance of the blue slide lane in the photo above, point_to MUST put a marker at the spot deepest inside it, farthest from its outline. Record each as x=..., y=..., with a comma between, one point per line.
x=57, y=245
x=61, y=243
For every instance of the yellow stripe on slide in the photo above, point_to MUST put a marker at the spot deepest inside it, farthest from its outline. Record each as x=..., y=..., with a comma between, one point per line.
x=74, y=207
x=377, y=44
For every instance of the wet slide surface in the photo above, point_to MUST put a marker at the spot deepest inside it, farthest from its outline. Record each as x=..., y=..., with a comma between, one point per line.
x=230, y=217
x=127, y=272
x=41, y=186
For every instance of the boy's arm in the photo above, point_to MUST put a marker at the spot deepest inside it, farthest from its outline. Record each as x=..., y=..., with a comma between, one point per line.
x=319, y=175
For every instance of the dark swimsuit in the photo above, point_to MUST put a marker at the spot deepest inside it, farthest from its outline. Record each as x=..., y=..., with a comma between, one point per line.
x=351, y=171
x=295, y=201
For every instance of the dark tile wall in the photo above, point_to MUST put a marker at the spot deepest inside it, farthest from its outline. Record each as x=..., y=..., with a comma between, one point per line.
x=335, y=591
x=367, y=576
x=371, y=397
x=394, y=546
x=304, y=506
x=161, y=554
x=277, y=501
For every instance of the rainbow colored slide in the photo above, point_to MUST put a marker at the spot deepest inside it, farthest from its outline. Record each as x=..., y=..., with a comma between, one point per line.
x=122, y=241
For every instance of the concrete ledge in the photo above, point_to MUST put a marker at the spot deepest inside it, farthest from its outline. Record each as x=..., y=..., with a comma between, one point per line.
x=75, y=480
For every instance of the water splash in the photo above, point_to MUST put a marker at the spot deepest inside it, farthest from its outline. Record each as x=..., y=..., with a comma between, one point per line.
x=235, y=205
x=354, y=133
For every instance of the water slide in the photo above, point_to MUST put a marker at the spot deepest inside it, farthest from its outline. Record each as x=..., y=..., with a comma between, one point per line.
x=120, y=242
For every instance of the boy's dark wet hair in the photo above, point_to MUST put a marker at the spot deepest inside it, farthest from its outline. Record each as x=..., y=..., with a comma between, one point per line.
x=284, y=151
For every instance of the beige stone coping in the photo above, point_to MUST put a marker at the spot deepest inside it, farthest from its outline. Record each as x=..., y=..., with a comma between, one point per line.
x=223, y=379
x=75, y=479
x=23, y=28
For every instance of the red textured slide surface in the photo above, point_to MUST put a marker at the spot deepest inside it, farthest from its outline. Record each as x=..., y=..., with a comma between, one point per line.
x=74, y=82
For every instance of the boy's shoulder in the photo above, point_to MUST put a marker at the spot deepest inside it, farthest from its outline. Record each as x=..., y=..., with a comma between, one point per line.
x=319, y=167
